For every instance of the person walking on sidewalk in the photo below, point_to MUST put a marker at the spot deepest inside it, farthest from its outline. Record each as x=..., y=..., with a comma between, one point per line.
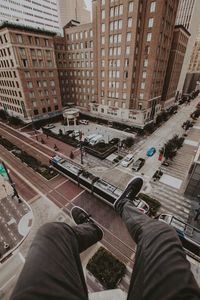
x=53, y=269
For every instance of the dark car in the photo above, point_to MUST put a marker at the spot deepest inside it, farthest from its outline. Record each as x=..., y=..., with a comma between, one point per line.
x=138, y=164
x=69, y=132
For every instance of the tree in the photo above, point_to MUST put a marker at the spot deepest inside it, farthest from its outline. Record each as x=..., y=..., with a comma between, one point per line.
x=15, y=120
x=129, y=141
x=3, y=114
x=150, y=127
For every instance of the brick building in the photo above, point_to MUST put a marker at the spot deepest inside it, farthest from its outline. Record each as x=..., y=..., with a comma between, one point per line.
x=175, y=62
x=74, y=55
x=29, y=84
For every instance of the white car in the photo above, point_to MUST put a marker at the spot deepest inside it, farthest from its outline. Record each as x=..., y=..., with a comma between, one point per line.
x=127, y=160
x=84, y=122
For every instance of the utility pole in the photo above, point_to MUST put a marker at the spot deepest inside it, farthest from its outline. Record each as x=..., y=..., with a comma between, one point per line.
x=81, y=145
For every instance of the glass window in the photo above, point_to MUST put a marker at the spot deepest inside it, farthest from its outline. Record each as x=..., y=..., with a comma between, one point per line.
x=128, y=37
x=130, y=21
x=102, y=2
x=130, y=7
x=149, y=36
x=120, y=10
x=103, y=40
x=145, y=62
x=103, y=14
x=112, y=12
x=153, y=6
x=150, y=22
x=144, y=74
x=120, y=24
x=142, y=85
x=103, y=27
x=128, y=48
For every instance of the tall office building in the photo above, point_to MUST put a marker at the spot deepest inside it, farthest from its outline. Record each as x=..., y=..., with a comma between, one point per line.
x=29, y=84
x=192, y=80
x=132, y=41
x=41, y=14
x=73, y=10
x=188, y=16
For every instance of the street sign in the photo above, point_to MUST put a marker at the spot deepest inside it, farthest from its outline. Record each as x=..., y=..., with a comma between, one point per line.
x=4, y=172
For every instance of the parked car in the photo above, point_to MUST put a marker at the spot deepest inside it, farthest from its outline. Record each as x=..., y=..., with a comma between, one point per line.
x=138, y=164
x=151, y=151
x=128, y=159
x=84, y=122
x=141, y=205
x=49, y=126
x=68, y=132
x=90, y=137
x=165, y=163
x=97, y=139
x=114, y=141
x=198, y=106
x=75, y=133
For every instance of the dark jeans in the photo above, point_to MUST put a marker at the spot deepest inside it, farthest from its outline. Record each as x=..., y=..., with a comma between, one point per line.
x=53, y=268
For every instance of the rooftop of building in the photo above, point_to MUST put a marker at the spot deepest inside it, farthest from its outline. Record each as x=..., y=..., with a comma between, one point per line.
x=25, y=28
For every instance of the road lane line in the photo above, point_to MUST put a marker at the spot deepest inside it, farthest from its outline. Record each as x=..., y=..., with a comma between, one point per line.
x=31, y=185
x=77, y=196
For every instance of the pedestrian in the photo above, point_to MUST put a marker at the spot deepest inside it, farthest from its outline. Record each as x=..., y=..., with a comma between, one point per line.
x=53, y=267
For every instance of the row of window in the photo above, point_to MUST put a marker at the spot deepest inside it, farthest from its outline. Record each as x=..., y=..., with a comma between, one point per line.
x=80, y=35
x=81, y=55
x=8, y=74
x=43, y=93
x=13, y=93
x=41, y=83
x=11, y=107
x=5, y=63
x=5, y=52
x=78, y=73
x=77, y=46
x=33, y=40
x=39, y=74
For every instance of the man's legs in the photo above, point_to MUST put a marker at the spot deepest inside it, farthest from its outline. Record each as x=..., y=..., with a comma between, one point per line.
x=161, y=271
x=53, y=268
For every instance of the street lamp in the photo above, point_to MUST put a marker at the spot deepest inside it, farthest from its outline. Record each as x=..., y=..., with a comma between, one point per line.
x=81, y=145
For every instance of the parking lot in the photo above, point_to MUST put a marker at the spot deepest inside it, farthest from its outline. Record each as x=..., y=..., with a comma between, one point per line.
x=106, y=132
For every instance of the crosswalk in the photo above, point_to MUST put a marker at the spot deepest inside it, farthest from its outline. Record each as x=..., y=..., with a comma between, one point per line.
x=171, y=201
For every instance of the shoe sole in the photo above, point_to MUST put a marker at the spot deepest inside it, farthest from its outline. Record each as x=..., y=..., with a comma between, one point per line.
x=128, y=189
x=88, y=217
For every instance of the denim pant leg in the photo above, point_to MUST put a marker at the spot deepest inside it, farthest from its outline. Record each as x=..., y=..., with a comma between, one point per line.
x=161, y=271
x=53, y=269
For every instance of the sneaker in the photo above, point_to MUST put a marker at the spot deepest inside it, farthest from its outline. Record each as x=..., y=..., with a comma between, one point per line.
x=80, y=216
x=132, y=189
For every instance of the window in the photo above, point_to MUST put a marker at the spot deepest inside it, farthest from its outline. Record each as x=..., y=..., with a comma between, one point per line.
x=130, y=21
x=103, y=14
x=25, y=63
x=128, y=49
x=142, y=85
x=149, y=36
x=102, y=2
x=112, y=12
x=103, y=27
x=144, y=74
x=27, y=74
x=145, y=62
x=29, y=84
x=19, y=38
x=103, y=40
x=128, y=37
x=120, y=10
x=153, y=6
x=102, y=52
x=124, y=96
x=150, y=22
x=130, y=7
x=37, y=41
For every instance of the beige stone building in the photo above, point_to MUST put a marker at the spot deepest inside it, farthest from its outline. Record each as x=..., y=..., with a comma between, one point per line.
x=73, y=10
x=29, y=84
x=192, y=81
x=75, y=61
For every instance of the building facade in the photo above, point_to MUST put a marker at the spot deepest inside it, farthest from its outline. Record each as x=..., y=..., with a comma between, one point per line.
x=41, y=14
x=29, y=84
x=188, y=16
x=175, y=62
x=76, y=66
x=192, y=190
x=132, y=41
x=192, y=81
x=73, y=10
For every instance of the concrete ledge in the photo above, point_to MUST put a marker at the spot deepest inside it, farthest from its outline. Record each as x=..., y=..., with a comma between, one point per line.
x=108, y=295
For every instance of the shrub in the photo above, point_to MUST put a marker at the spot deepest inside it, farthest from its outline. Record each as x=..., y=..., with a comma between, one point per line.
x=3, y=114
x=154, y=205
x=106, y=268
x=129, y=141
